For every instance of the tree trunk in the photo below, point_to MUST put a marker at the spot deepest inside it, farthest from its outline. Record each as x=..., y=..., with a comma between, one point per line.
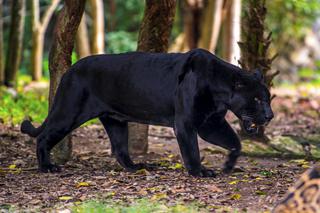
x=254, y=47
x=216, y=24
x=97, y=42
x=36, y=55
x=36, y=52
x=231, y=36
x=192, y=10
x=15, y=42
x=206, y=25
x=112, y=10
x=38, y=32
x=1, y=46
x=60, y=60
x=153, y=37
x=82, y=39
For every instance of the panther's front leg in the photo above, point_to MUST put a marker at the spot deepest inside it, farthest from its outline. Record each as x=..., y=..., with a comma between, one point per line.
x=188, y=143
x=217, y=131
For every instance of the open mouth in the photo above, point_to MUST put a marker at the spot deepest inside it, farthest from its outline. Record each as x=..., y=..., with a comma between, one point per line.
x=250, y=127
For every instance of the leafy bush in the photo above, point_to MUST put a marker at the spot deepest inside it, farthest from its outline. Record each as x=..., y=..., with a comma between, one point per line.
x=13, y=109
x=310, y=75
x=121, y=41
x=292, y=20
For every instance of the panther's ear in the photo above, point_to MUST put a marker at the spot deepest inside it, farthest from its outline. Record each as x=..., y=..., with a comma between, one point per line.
x=258, y=75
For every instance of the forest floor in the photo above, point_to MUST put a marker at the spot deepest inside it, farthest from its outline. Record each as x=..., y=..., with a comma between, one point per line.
x=256, y=186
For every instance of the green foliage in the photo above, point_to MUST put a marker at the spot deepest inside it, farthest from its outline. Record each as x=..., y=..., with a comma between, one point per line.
x=14, y=109
x=121, y=41
x=140, y=206
x=123, y=25
x=32, y=104
x=310, y=75
x=290, y=18
x=45, y=66
x=127, y=16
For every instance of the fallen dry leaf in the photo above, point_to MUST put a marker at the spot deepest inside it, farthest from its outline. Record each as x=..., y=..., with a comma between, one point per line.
x=82, y=184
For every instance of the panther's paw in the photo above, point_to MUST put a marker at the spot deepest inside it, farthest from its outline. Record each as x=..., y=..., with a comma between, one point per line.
x=227, y=169
x=136, y=167
x=49, y=168
x=203, y=172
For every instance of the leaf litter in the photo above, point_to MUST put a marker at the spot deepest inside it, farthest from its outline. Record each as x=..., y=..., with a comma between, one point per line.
x=93, y=173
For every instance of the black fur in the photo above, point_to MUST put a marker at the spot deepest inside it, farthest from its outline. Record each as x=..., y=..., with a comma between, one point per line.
x=190, y=92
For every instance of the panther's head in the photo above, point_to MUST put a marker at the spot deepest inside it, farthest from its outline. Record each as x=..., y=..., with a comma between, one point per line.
x=250, y=101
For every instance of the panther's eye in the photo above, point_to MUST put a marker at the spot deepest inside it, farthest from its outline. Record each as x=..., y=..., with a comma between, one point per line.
x=257, y=100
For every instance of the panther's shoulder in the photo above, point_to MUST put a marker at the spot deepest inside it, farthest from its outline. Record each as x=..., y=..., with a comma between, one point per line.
x=200, y=52
x=304, y=196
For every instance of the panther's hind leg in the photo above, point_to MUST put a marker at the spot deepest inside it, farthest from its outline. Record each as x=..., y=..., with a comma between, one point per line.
x=59, y=125
x=217, y=131
x=45, y=142
x=69, y=111
x=118, y=135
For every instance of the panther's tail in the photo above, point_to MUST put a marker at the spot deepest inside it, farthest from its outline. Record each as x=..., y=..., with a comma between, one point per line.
x=28, y=128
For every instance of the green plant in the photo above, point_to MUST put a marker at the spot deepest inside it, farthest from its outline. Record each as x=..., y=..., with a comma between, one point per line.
x=32, y=104
x=13, y=109
x=121, y=41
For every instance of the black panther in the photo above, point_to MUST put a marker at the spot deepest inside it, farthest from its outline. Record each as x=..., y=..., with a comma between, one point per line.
x=190, y=92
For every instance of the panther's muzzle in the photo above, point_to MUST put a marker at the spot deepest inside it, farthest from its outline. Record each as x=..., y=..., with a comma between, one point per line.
x=250, y=126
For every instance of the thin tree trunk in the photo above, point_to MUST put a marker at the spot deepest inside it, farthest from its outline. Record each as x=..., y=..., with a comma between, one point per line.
x=112, y=10
x=1, y=46
x=82, y=39
x=153, y=37
x=36, y=55
x=97, y=42
x=38, y=32
x=36, y=52
x=60, y=60
x=216, y=24
x=192, y=10
x=232, y=31
x=206, y=25
x=15, y=42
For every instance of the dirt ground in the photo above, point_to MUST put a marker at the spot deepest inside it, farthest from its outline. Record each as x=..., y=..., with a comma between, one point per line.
x=256, y=185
